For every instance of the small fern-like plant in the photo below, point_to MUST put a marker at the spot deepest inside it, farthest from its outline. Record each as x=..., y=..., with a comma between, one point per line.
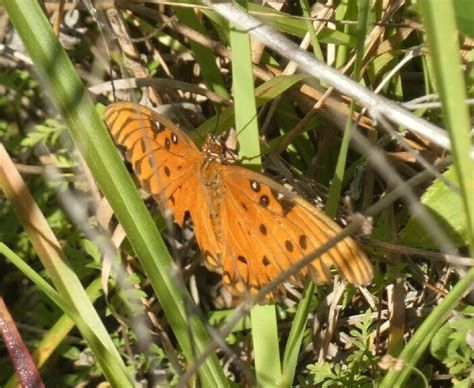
x=360, y=363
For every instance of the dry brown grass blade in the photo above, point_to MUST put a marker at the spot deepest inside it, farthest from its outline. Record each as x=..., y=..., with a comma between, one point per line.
x=29, y=214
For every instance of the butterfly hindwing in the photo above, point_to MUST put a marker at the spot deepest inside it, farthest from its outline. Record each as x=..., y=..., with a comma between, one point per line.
x=286, y=228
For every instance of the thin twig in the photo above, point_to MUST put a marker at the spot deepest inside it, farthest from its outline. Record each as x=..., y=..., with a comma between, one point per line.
x=435, y=256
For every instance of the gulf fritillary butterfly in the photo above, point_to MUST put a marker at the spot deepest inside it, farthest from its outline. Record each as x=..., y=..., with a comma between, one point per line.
x=248, y=227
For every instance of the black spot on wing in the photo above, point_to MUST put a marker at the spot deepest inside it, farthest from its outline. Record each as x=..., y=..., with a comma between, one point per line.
x=158, y=127
x=264, y=200
x=255, y=186
x=137, y=166
x=242, y=259
x=146, y=185
x=285, y=203
x=303, y=242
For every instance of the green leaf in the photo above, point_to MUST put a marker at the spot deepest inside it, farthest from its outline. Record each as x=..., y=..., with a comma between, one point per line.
x=276, y=86
x=447, y=208
x=440, y=342
x=321, y=372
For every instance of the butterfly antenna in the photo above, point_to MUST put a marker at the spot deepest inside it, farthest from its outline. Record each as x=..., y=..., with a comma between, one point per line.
x=213, y=132
x=249, y=158
x=247, y=124
x=218, y=116
x=112, y=81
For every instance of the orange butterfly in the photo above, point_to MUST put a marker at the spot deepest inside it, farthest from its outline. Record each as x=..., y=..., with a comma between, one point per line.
x=248, y=227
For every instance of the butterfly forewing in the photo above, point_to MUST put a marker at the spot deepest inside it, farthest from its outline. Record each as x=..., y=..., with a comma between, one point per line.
x=163, y=157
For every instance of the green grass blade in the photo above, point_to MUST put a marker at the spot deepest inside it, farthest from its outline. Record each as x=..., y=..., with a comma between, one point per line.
x=336, y=184
x=28, y=271
x=92, y=139
x=265, y=345
x=286, y=23
x=245, y=106
x=295, y=338
x=206, y=59
x=318, y=53
x=440, y=23
x=264, y=324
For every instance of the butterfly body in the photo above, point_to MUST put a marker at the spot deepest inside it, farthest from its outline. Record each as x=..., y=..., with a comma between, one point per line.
x=248, y=227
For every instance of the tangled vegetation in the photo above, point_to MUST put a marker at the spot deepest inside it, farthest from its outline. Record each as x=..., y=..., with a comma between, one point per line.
x=105, y=290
